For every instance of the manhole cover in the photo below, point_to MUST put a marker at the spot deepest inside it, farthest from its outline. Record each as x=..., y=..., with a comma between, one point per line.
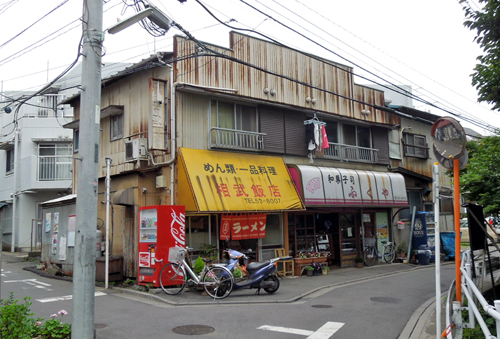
x=99, y=326
x=387, y=300
x=321, y=306
x=193, y=329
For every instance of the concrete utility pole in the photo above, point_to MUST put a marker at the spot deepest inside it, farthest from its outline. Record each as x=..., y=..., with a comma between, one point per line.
x=87, y=176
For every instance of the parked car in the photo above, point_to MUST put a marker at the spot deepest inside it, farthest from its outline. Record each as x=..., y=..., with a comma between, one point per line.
x=464, y=232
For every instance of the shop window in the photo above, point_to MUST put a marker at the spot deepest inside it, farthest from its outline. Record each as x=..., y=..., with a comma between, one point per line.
x=201, y=233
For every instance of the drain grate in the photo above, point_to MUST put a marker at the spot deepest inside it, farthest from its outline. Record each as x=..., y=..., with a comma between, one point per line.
x=387, y=300
x=193, y=329
x=321, y=306
x=99, y=326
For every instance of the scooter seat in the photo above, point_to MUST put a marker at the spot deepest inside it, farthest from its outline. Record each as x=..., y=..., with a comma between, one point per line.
x=255, y=266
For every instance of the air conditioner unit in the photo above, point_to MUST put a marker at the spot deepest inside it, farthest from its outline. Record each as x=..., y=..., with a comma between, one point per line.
x=136, y=149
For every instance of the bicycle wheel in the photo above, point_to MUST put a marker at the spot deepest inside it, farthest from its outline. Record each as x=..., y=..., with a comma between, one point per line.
x=389, y=253
x=370, y=255
x=218, y=282
x=172, y=278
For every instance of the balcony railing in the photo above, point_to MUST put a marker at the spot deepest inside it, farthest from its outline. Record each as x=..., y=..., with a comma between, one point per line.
x=350, y=153
x=54, y=168
x=236, y=139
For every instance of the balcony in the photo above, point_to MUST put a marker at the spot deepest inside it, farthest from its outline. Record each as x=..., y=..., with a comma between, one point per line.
x=54, y=168
x=236, y=139
x=350, y=153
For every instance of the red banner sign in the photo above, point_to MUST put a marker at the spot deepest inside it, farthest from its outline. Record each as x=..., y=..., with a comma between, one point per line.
x=225, y=227
x=243, y=226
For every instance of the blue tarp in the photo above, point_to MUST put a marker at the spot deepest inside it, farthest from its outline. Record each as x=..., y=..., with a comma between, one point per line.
x=448, y=241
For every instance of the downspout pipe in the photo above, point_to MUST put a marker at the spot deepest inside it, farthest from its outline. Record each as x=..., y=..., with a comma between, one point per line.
x=173, y=127
x=14, y=196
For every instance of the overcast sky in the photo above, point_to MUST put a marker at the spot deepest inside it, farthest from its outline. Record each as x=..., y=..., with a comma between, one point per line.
x=419, y=43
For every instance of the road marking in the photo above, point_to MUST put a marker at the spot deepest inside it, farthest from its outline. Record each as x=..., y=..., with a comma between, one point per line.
x=4, y=272
x=32, y=282
x=324, y=332
x=66, y=297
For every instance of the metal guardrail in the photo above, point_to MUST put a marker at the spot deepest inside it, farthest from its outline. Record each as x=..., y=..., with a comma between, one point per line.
x=236, y=139
x=473, y=295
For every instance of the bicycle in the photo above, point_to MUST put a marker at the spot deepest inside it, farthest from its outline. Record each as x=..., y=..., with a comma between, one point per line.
x=216, y=279
x=371, y=252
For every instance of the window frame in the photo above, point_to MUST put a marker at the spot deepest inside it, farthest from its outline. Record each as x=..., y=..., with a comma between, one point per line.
x=115, y=135
x=58, y=159
x=411, y=144
x=236, y=116
x=9, y=161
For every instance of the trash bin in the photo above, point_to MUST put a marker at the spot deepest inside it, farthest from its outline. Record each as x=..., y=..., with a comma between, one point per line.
x=423, y=255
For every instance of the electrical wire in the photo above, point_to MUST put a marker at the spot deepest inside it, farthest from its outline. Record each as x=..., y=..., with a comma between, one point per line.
x=43, y=17
x=470, y=120
x=7, y=6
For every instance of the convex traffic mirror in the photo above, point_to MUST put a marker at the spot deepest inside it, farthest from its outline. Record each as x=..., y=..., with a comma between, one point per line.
x=449, y=138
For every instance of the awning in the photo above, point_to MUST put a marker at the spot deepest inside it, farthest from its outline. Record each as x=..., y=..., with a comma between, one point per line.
x=211, y=181
x=327, y=186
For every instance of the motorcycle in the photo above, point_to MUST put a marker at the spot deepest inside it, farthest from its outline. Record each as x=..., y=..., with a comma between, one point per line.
x=261, y=275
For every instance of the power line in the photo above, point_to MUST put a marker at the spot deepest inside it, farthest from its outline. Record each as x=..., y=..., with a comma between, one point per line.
x=475, y=122
x=43, y=17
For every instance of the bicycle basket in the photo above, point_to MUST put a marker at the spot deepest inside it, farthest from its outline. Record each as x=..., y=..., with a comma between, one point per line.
x=370, y=241
x=176, y=255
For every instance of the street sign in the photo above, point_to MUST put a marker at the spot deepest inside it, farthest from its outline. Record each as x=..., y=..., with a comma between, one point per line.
x=449, y=138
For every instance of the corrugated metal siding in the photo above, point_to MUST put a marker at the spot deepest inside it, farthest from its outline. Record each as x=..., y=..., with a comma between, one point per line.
x=192, y=124
x=288, y=64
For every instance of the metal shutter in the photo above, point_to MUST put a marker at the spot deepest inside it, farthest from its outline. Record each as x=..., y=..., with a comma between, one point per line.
x=272, y=123
x=381, y=142
x=295, y=133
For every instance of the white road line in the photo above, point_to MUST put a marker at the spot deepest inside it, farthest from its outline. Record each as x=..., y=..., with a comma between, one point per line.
x=32, y=282
x=324, y=332
x=65, y=297
x=285, y=330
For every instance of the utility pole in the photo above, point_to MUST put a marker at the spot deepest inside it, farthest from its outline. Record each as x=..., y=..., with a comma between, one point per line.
x=87, y=175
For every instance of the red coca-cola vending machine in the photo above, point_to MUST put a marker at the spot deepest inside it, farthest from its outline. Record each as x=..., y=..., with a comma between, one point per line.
x=162, y=230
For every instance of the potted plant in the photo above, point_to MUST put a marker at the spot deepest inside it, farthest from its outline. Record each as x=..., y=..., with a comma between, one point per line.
x=325, y=270
x=310, y=270
x=209, y=251
x=401, y=250
x=359, y=262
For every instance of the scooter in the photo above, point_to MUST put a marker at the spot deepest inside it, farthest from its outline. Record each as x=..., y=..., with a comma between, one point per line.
x=260, y=274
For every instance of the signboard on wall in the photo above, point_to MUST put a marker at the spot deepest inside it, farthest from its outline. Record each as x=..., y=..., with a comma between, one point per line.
x=157, y=127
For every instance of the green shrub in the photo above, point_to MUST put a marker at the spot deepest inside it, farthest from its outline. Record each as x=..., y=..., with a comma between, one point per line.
x=198, y=266
x=17, y=322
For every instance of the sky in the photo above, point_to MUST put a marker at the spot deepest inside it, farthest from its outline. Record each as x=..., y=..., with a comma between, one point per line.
x=423, y=43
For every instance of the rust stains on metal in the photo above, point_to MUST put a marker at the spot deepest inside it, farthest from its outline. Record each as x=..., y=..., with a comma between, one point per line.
x=252, y=65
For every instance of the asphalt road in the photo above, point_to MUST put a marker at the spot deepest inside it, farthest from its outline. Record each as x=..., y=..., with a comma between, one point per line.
x=376, y=307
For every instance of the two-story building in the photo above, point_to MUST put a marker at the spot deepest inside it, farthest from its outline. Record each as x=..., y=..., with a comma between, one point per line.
x=253, y=129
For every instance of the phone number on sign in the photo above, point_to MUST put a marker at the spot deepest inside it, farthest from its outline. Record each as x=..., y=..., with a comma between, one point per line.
x=263, y=201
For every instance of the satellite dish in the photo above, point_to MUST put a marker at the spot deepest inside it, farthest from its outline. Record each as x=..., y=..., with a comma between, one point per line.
x=448, y=163
x=449, y=138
